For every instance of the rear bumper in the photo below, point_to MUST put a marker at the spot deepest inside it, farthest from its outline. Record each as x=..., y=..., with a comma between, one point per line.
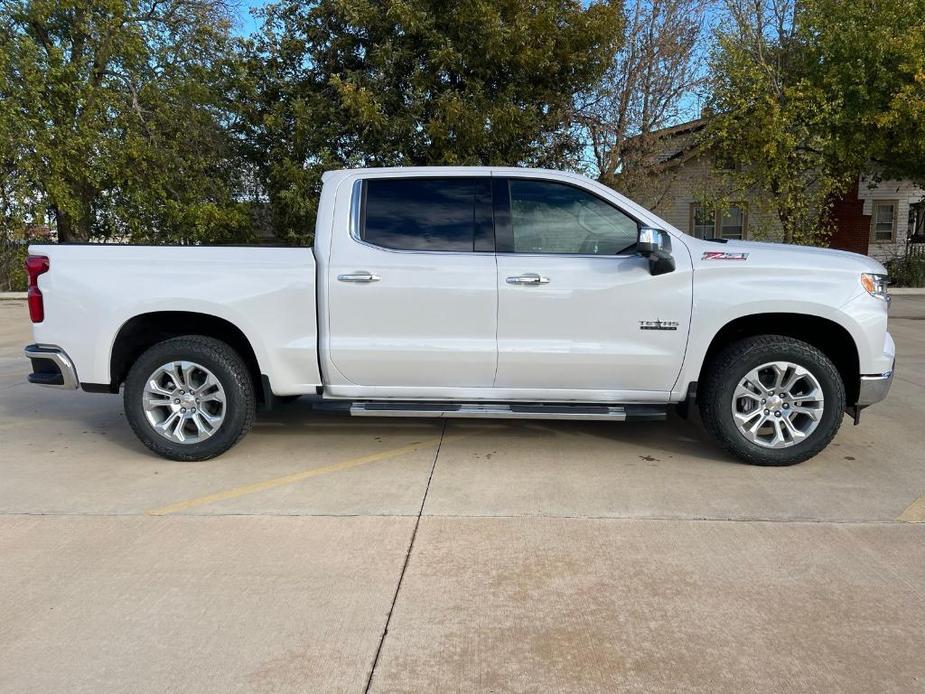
x=51, y=367
x=875, y=388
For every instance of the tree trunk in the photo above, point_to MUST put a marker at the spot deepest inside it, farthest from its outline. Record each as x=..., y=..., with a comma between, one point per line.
x=71, y=228
x=785, y=221
x=784, y=213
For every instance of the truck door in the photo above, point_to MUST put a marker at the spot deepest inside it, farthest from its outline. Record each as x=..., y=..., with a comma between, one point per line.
x=577, y=308
x=412, y=288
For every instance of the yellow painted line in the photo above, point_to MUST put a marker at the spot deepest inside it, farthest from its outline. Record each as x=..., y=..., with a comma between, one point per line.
x=245, y=489
x=915, y=513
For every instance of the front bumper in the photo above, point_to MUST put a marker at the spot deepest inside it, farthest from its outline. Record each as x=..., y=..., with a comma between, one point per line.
x=51, y=367
x=875, y=388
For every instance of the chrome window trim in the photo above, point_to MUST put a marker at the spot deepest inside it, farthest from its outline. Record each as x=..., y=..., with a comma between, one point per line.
x=508, y=254
x=355, y=200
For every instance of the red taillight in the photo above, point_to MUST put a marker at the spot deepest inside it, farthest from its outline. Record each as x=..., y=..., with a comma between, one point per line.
x=35, y=266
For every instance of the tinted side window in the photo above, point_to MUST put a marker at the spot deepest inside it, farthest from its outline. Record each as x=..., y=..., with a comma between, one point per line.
x=548, y=217
x=432, y=214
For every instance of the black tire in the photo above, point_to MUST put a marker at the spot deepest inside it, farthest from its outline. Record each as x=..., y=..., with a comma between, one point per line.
x=730, y=365
x=225, y=364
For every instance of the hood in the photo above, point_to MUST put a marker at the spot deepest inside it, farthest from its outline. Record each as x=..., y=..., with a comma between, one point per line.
x=783, y=255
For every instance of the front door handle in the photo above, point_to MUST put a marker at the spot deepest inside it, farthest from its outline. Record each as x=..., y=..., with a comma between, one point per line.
x=528, y=278
x=362, y=277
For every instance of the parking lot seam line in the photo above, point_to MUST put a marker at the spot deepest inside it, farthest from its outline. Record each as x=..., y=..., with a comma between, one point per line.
x=244, y=489
x=404, y=567
x=241, y=514
x=672, y=519
x=464, y=516
x=915, y=512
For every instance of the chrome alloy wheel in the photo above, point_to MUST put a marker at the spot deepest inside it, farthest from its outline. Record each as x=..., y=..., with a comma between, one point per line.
x=778, y=404
x=184, y=402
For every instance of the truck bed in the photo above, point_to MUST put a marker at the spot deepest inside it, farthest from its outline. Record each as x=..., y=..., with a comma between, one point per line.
x=93, y=290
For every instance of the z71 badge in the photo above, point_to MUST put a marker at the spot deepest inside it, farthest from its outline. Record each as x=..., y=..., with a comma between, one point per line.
x=658, y=325
x=721, y=255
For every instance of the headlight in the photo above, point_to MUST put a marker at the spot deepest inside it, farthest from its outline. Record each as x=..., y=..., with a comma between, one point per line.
x=876, y=285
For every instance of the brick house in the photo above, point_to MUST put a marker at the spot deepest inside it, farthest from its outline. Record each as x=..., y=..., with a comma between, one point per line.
x=874, y=218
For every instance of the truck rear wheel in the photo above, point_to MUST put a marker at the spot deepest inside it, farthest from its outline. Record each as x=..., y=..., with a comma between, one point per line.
x=772, y=400
x=189, y=398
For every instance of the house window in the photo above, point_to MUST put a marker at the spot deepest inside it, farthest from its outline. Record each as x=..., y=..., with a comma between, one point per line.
x=732, y=224
x=727, y=164
x=703, y=221
x=707, y=223
x=884, y=221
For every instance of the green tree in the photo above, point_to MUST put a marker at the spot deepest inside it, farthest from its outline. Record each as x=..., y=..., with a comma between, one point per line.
x=772, y=121
x=416, y=82
x=869, y=58
x=112, y=119
x=808, y=95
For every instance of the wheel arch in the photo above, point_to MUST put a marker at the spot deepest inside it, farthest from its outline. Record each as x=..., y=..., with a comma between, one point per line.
x=828, y=336
x=144, y=330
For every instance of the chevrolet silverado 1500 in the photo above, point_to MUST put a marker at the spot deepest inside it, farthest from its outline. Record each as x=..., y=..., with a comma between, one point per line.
x=470, y=292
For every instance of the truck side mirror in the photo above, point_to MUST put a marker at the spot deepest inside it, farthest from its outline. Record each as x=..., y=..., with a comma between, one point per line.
x=655, y=244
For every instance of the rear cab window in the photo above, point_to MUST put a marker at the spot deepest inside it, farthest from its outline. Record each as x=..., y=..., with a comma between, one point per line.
x=434, y=214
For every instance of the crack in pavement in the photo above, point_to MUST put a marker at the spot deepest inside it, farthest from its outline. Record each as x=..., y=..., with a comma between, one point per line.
x=401, y=576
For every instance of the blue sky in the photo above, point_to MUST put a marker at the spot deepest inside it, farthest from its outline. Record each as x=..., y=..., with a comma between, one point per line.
x=245, y=22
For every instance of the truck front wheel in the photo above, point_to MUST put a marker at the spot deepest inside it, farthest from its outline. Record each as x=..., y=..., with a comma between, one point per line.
x=772, y=400
x=189, y=398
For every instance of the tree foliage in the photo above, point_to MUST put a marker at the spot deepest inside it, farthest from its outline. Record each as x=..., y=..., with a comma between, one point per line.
x=111, y=119
x=772, y=120
x=810, y=94
x=869, y=58
x=145, y=120
x=417, y=82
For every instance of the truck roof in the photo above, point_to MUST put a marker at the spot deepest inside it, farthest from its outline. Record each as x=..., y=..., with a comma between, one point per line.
x=437, y=170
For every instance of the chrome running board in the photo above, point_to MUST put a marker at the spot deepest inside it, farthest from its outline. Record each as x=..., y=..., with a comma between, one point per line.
x=613, y=413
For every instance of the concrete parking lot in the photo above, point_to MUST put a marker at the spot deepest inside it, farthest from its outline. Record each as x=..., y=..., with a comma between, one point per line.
x=329, y=554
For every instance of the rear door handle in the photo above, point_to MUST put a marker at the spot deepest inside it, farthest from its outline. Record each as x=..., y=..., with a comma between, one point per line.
x=528, y=278
x=362, y=277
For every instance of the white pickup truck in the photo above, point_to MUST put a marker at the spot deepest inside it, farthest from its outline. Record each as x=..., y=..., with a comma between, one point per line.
x=470, y=292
